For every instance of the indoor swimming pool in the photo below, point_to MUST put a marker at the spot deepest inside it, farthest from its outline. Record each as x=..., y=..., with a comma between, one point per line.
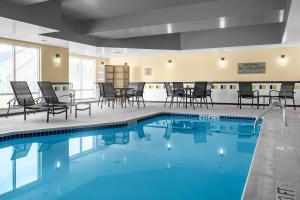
x=163, y=157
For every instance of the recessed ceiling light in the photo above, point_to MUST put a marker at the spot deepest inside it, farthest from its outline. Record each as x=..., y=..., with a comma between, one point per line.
x=117, y=52
x=222, y=22
x=169, y=28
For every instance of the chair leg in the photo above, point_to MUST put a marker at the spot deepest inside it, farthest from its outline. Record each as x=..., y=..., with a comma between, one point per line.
x=171, y=103
x=90, y=109
x=137, y=101
x=193, y=101
x=294, y=103
x=8, y=111
x=252, y=102
x=200, y=102
x=102, y=104
x=166, y=101
x=143, y=102
x=212, y=104
x=284, y=101
x=206, y=102
x=66, y=113
x=48, y=110
x=99, y=101
x=25, y=113
x=257, y=102
x=75, y=111
x=240, y=102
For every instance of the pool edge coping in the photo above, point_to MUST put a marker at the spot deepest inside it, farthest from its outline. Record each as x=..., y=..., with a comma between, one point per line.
x=107, y=125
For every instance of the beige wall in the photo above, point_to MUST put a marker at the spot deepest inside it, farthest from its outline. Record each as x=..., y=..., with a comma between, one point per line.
x=206, y=66
x=185, y=66
x=49, y=70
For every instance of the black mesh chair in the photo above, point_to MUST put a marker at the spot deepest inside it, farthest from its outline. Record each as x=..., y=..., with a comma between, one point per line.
x=246, y=92
x=179, y=91
x=109, y=94
x=130, y=92
x=139, y=93
x=54, y=105
x=286, y=92
x=199, y=93
x=23, y=98
x=170, y=94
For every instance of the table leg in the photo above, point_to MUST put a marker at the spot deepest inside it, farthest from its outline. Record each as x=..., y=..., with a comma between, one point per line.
x=186, y=99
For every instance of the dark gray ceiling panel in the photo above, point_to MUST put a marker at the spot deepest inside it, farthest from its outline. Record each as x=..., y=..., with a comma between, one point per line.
x=45, y=14
x=188, y=13
x=167, y=42
x=207, y=24
x=240, y=36
x=100, y=9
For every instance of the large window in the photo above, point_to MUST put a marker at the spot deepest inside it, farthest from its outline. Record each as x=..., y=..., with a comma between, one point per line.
x=82, y=75
x=17, y=63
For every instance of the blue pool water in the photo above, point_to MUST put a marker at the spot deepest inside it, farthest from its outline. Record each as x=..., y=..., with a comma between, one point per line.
x=164, y=157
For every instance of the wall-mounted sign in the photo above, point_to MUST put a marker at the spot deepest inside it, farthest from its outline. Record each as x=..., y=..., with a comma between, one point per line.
x=252, y=68
x=148, y=71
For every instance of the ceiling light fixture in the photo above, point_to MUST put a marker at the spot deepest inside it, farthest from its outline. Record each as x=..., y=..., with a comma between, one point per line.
x=222, y=22
x=281, y=15
x=169, y=28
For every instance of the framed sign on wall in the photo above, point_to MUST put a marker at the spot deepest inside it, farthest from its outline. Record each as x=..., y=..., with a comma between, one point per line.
x=252, y=68
x=148, y=71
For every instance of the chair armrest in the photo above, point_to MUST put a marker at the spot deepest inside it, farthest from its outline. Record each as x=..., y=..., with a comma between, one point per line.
x=66, y=95
x=36, y=100
x=12, y=100
x=70, y=97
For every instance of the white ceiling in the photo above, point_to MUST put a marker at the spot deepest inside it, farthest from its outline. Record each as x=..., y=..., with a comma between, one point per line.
x=292, y=31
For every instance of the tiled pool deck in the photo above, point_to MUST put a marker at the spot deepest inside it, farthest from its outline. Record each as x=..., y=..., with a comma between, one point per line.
x=277, y=157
